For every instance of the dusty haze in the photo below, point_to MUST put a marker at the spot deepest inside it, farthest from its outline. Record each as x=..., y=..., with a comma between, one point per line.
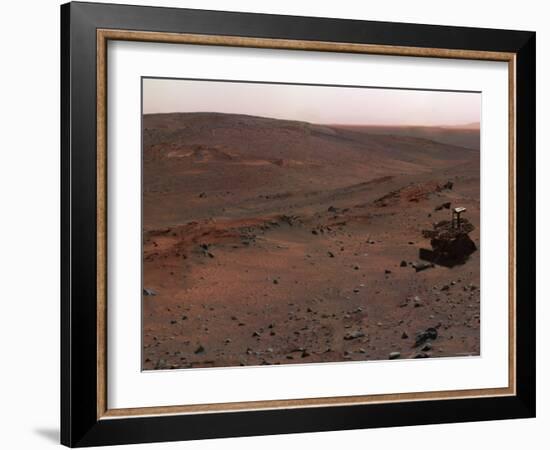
x=315, y=104
x=286, y=224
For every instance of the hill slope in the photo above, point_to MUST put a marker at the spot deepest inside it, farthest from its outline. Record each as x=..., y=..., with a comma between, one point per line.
x=235, y=158
x=276, y=242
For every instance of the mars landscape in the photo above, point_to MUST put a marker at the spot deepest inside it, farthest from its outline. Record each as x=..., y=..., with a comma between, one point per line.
x=269, y=241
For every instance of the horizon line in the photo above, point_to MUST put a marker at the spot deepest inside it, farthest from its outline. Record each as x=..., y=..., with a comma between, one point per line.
x=461, y=125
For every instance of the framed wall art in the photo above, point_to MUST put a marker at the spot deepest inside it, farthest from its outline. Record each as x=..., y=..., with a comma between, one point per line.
x=276, y=224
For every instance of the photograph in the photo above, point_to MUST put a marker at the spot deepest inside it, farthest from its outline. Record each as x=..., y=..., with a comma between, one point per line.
x=285, y=222
x=303, y=224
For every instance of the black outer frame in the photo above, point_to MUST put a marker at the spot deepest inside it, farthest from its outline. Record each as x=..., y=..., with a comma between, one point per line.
x=79, y=424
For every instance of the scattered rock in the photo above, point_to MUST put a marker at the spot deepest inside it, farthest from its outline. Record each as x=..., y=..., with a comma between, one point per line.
x=200, y=349
x=161, y=364
x=275, y=281
x=422, y=337
x=387, y=271
x=394, y=355
x=421, y=265
x=354, y=335
x=446, y=205
x=403, y=264
x=404, y=335
x=421, y=355
x=448, y=185
x=427, y=347
x=148, y=292
x=202, y=195
x=417, y=301
x=330, y=254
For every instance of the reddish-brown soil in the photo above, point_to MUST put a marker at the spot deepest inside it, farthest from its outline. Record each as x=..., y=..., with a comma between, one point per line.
x=278, y=242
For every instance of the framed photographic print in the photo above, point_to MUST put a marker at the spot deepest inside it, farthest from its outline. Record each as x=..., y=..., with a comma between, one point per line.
x=276, y=224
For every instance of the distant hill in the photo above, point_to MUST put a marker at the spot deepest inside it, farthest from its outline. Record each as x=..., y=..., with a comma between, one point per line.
x=233, y=160
x=242, y=136
x=467, y=135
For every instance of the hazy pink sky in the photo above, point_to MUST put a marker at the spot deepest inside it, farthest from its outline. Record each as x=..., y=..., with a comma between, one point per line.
x=317, y=104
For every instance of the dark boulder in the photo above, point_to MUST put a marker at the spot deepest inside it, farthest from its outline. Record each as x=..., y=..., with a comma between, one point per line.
x=446, y=205
x=424, y=336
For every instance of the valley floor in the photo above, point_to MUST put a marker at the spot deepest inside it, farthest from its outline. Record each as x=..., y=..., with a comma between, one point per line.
x=313, y=277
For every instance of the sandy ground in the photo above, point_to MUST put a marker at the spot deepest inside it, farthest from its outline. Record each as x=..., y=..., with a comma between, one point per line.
x=257, y=258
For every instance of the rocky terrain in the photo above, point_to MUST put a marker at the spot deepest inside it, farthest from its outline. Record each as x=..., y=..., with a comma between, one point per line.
x=277, y=242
